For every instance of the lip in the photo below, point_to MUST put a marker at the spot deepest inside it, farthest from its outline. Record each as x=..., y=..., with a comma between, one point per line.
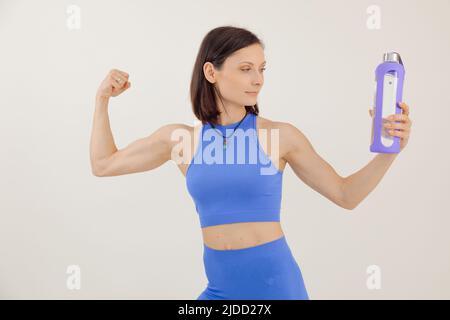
x=254, y=93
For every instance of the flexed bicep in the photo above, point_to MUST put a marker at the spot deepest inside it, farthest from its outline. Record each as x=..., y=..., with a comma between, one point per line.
x=140, y=155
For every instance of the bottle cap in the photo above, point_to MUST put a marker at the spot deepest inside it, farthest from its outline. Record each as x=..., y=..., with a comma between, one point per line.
x=393, y=57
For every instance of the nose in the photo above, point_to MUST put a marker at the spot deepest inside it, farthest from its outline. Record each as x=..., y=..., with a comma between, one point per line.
x=258, y=80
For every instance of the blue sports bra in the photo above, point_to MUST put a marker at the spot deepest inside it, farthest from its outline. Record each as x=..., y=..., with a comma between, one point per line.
x=238, y=183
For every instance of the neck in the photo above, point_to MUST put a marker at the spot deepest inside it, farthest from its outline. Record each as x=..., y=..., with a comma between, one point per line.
x=231, y=116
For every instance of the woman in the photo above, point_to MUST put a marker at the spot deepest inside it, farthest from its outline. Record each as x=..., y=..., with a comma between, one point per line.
x=246, y=255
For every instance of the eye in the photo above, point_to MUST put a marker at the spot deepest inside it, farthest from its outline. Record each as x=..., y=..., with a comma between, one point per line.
x=250, y=69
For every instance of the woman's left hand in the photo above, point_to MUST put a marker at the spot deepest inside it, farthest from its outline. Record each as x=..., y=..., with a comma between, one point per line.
x=398, y=124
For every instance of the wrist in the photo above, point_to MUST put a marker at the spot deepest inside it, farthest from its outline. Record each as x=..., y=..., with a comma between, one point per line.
x=388, y=156
x=101, y=99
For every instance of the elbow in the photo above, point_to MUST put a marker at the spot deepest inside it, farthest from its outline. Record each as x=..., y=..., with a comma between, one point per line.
x=349, y=207
x=96, y=170
x=346, y=203
x=97, y=174
x=103, y=167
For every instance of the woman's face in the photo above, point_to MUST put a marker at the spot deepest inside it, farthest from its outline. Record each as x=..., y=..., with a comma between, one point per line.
x=242, y=72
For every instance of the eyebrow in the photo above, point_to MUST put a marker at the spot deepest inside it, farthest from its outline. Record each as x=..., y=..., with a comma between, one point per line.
x=252, y=62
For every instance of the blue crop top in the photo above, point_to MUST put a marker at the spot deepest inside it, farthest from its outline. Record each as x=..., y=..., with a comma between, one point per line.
x=238, y=183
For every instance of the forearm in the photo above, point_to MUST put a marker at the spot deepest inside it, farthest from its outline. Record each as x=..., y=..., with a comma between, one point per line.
x=358, y=185
x=102, y=142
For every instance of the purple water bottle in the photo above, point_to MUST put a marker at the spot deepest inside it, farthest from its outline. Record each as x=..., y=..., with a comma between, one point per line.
x=389, y=77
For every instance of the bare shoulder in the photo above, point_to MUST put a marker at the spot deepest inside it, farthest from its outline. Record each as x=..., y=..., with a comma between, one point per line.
x=265, y=123
x=290, y=137
x=179, y=136
x=171, y=133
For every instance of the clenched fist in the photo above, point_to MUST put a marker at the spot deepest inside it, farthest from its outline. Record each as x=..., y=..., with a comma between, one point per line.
x=114, y=84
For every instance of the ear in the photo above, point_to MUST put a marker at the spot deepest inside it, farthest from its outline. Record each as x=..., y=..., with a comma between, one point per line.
x=208, y=71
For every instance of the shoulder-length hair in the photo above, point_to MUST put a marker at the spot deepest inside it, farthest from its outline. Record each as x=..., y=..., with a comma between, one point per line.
x=216, y=46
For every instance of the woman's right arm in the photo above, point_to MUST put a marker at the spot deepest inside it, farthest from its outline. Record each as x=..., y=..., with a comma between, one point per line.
x=141, y=155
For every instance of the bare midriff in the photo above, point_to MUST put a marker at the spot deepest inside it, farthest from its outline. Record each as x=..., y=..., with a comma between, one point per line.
x=241, y=235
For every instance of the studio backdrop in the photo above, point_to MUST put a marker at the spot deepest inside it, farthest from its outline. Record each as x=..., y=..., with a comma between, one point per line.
x=68, y=234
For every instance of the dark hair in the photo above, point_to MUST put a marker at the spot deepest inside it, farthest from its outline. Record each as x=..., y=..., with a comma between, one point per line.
x=217, y=45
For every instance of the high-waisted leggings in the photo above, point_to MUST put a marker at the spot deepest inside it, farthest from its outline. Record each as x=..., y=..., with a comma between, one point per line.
x=265, y=271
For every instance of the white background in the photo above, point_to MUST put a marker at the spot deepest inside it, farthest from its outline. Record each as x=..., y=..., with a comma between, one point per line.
x=138, y=236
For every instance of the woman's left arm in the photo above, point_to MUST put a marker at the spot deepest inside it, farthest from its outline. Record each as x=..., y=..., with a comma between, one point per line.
x=316, y=172
x=358, y=185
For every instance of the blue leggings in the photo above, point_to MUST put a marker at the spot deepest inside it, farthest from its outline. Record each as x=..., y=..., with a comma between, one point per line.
x=264, y=271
